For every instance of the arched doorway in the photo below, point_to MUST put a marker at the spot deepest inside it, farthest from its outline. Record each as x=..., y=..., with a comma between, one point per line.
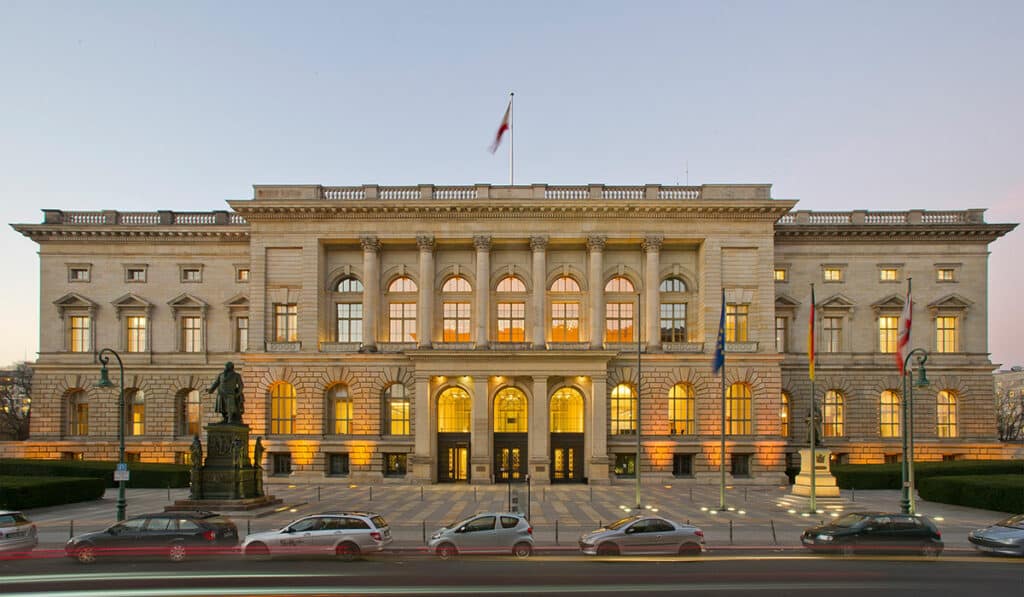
x=567, y=436
x=510, y=435
x=454, y=410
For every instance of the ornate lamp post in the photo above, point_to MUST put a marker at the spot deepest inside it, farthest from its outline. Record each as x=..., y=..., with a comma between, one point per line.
x=105, y=382
x=906, y=499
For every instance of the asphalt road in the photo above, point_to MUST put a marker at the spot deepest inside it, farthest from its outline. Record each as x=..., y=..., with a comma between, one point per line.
x=410, y=574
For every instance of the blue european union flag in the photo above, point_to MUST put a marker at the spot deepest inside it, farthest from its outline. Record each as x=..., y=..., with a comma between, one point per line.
x=719, y=361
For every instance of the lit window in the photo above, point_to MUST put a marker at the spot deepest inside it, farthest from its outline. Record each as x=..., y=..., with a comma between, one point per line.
x=402, y=322
x=396, y=409
x=511, y=284
x=887, y=274
x=282, y=408
x=946, y=414
x=781, y=275
x=190, y=413
x=402, y=284
x=736, y=316
x=510, y=414
x=135, y=418
x=191, y=334
x=395, y=464
x=946, y=334
x=945, y=274
x=80, y=334
x=456, y=284
x=511, y=322
x=619, y=322
x=623, y=410
x=242, y=274
x=341, y=409
x=619, y=284
x=784, y=417
x=833, y=414
x=565, y=322
x=833, y=274
x=832, y=334
x=738, y=410
x=286, y=322
x=456, y=322
x=680, y=410
x=78, y=409
x=887, y=330
x=625, y=465
x=567, y=411
x=565, y=284
x=454, y=409
x=889, y=414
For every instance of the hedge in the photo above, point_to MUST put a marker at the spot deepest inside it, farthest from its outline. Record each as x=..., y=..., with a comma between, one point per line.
x=19, y=493
x=888, y=476
x=143, y=474
x=1003, y=493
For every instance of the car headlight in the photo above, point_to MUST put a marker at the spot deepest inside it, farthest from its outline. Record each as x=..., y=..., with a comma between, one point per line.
x=435, y=536
x=824, y=538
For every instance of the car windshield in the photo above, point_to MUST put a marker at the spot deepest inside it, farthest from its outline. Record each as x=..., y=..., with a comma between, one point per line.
x=1013, y=522
x=620, y=523
x=850, y=520
x=12, y=518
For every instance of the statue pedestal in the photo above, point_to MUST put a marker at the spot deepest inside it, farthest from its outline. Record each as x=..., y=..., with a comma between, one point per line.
x=824, y=483
x=226, y=479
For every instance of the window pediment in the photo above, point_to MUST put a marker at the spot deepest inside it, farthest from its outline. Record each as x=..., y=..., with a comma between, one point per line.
x=187, y=301
x=131, y=302
x=73, y=300
x=950, y=302
x=786, y=303
x=839, y=302
x=893, y=302
x=239, y=301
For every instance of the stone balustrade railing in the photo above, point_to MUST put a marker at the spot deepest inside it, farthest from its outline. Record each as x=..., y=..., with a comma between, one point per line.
x=143, y=218
x=486, y=191
x=882, y=218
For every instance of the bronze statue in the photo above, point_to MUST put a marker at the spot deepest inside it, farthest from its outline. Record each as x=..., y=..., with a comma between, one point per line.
x=230, y=399
x=816, y=421
x=257, y=453
x=196, y=450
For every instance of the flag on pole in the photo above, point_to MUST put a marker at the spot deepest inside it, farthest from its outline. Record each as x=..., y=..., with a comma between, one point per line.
x=904, y=329
x=810, y=339
x=504, y=126
x=719, y=361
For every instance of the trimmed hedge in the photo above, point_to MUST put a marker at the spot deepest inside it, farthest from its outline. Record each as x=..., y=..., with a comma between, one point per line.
x=887, y=476
x=19, y=493
x=1003, y=493
x=143, y=474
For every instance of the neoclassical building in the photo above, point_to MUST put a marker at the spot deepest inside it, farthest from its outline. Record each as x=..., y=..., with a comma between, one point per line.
x=482, y=333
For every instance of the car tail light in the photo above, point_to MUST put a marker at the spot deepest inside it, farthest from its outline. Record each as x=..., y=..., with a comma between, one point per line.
x=699, y=533
x=375, y=536
x=938, y=534
x=529, y=530
x=210, y=535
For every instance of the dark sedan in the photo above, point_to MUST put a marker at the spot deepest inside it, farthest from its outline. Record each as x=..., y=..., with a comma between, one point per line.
x=1005, y=537
x=175, y=535
x=875, y=532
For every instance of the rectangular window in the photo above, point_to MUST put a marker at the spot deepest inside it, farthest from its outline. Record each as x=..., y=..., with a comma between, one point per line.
x=833, y=274
x=282, y=463
x=81, y=337
x=402, y=322
x=343, y=416
x=456, y=322
x=137, y=419
x=136, y=333
x=736, y=322
x=135, y=274
x=738, y=416
x=191, y=334
x=350, y=322
x=565, y=322
x=398, y=416
x=781, y=327
x=191, y=274
x=888, y=274
x=673, y=322
x=394, y=464
x=81, y=422
x=946, y=334
x=286, y=322
x=337, y=465
x=832, y=334
x=740, y=465
x=511, y=322
x=242, y=334
x=72, y=456
x=618, y=322
x=945, y=274
x=79, y=273
x=887, y=328
x=242, y=274
x=625, y=465
x=781, y=275
x=682, y=465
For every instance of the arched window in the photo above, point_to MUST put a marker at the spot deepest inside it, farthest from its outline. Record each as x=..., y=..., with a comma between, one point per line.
x=889, y=414
x=340, y=408
x=738, y=410
x=349, y=310
x=402, y=310
x=402, y=284
x=680, y=410
x=456, y=284
x=565, y=284
x=511, y=309
x=511, y=284
x=78, y=413
x=833, y=413
x=945, y=410
x=619, y=284
x=565, y=310
x=673, y=284
x=189, y=413
x=135, y=412
x=398, y=415
x=282, y=408
x=784, y=417
x=620, y=307
x=456, y=309
x=673, y=310
x=349, y=284
x=567, y=411
x=623, y=410
x=454, y=408
x=510, y=411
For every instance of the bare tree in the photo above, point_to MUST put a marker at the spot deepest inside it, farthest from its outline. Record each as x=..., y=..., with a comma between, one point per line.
x=15, y=402
x=1010, y=416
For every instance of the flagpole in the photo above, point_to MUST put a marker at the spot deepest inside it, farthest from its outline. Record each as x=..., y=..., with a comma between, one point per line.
x=511, y=140
x=636, y=462
x=909, y=422
x=721, y=459
x=814, y=461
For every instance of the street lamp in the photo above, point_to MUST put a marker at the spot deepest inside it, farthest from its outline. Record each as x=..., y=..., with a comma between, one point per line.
x=105, y=382
x=906, y=471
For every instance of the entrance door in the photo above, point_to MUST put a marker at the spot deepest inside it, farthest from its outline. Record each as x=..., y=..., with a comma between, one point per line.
x=453, y=458
x=566, y=457
x=510, y=457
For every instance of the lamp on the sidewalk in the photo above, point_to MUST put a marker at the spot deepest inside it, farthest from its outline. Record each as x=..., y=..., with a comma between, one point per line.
x=105, y=382
x=906, y=471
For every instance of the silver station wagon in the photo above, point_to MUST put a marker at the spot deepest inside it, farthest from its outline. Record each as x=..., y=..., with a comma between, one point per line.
x=347, y=535
x=17, y=533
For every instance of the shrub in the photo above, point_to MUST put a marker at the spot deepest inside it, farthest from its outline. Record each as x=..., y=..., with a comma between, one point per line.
x=34, y=492
x=143, y=474
x=1003, y=493
x=888, y=476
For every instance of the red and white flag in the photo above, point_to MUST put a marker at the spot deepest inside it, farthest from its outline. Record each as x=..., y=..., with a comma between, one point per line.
x=904, y=330
x=504, y=126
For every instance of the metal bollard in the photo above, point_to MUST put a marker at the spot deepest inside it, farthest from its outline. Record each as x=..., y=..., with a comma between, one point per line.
x=248, y=527
x=421, y=497
x=730, y=531
x=691, y=494
x=744, y=494
x=71, y=529
x=556, y=531
x=475, y=499
x=424, y=530
x=371, y=493
x=168, y=491
x=318, y=493
x=591, y=493
x=775, y=540
x=853, y=494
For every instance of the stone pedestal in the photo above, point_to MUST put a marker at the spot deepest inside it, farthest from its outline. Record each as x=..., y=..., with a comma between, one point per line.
x=226, y=479
x=824, y=483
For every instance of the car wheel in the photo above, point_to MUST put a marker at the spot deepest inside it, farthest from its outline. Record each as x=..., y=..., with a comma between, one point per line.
x=689, y=549
x=347, y=551
x=177, y=552
x=930, y=550
x=85, y=554
x=257, y=550
x=446, y=551
x=607, y=549
x=522, y=550
x=846, y=550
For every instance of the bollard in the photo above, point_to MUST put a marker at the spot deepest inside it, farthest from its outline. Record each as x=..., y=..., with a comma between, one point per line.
x=248, y=527
x=318, y=493
x=71, y=529
x=168, y=491
x=424, y=531
x=744, y=494
x=556, y=531
x=853, y=494
x=475, y=499
x=687, y=522
x=775, y=540
x=371, y=493
x=691, y=494
x=591, y=493
x=544, y=494
x=421, y=498
x=730, y=531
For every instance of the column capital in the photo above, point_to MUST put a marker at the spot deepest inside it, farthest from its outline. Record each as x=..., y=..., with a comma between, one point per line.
x=596, y=242
x=425, y=242
x=370, y=243
x=538, y=243
x=652, y=243
x=482, y=243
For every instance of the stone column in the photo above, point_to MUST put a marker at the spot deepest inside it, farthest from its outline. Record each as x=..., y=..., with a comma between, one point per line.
x=595, y=244
x=480, y=438
x=540, y=433
x=423, y=457
x=597, y=431
x=426, y=306
x=483, y=288
x=652, y=277
x=371, y=291
x=538, y=244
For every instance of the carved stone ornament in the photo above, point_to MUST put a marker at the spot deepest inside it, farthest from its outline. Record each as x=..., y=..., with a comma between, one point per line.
x=596, y=242
x=652, y=243
x=538, y=243
x=425, y=242
x=370, y=243
x=482, y=243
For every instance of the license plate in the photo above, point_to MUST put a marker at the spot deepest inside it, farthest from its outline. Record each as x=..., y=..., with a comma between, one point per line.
x=17, y=534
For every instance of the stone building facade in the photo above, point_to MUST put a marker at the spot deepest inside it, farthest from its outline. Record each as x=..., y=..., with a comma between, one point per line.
x=482, y=333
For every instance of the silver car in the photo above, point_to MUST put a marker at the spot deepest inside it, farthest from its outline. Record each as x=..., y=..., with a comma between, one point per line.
x=17, y=533
x=344, y=534
x=487, y=532
x=1005, y=537
x=643, y=534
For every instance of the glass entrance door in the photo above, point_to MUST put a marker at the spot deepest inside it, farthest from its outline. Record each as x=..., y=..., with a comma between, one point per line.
x=458, y=463
x=453, y=457
x=510, y=457
x=566, y=457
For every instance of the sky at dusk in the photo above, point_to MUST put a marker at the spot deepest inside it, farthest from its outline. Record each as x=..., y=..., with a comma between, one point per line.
x=183, y=105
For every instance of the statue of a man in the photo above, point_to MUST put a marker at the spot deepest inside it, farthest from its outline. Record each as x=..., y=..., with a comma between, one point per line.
x=195, y=472
x=230, y=399
x=816, y=422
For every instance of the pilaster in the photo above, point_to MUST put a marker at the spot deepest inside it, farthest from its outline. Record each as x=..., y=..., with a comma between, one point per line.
x=482, y=290
x=595, y=246
x=371, y=291
x=426, y=245
x=479, y=441
x=540, y=433
x=652, y=252
x=538, y=244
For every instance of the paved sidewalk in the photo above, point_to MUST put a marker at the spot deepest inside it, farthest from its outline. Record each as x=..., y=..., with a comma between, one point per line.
x=559, y=514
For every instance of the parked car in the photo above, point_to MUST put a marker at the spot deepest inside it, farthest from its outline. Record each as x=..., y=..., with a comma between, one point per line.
x=644, y=534
x=486, y=532
x=17, y=533
x=344, y=534
x=176, y=535
x=875, y=532
x=1004, y=537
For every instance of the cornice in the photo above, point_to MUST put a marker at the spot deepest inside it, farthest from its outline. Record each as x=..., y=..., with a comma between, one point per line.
x=48, y=232
x=803, y=233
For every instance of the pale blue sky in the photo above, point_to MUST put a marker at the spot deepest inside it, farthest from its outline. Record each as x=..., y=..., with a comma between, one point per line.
x=183, y=105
